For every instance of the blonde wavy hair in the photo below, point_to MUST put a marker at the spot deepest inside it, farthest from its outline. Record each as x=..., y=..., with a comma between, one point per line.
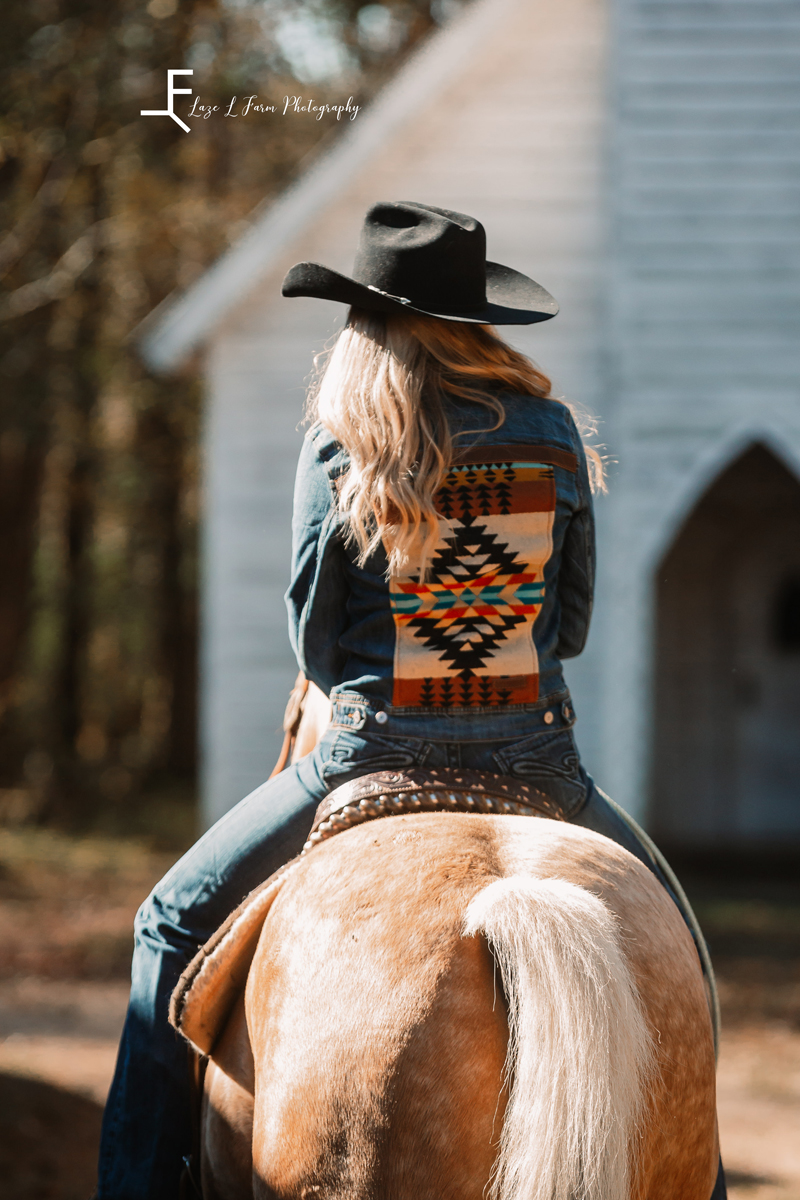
x=381, y=391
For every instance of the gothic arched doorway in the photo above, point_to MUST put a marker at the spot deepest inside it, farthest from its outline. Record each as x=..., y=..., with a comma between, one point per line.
x=726, y=764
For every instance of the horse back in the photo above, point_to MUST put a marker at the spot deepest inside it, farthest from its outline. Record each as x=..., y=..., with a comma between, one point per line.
x=379, y=1031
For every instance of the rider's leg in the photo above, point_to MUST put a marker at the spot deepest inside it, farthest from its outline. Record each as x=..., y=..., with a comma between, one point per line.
x=146, y=1127
x=598, y=815
x=720, y=1191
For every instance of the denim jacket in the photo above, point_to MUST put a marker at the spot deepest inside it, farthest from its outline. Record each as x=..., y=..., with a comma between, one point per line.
x=509, y=589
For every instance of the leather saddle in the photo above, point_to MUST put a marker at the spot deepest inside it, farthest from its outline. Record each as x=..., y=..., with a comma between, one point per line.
x=390, y=793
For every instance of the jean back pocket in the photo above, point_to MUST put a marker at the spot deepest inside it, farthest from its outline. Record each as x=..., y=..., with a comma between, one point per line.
x=353, y=753
x=550, y=762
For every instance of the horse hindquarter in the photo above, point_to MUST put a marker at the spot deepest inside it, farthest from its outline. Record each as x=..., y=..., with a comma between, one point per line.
x=379, y=1029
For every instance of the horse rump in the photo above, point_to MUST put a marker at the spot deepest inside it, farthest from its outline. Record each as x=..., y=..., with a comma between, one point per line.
x=565, y=1053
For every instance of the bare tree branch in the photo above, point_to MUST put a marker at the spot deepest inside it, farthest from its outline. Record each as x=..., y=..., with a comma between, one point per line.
x=60, y=175
x=58, y=282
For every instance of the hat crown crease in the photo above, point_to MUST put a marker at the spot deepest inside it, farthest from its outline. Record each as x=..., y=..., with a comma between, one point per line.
x=426, y=252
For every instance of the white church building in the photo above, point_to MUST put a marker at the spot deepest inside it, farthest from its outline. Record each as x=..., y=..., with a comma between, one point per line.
x=641, y=159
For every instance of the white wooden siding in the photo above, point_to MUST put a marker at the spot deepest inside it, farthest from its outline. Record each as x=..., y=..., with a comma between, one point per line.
x=704, y=319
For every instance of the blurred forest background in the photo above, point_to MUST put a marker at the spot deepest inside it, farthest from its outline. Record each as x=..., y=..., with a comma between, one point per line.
x=103, y=214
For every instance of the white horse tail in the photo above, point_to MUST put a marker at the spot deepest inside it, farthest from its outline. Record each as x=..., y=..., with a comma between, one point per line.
x=579, y=1055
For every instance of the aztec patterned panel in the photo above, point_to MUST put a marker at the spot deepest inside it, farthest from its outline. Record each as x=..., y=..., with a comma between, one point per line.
x=465, y=635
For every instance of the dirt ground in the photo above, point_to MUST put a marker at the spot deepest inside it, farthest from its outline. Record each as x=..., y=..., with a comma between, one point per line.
x=66, y=908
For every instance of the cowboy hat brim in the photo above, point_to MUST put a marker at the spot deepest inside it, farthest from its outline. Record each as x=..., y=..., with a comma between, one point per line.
x=511, y=297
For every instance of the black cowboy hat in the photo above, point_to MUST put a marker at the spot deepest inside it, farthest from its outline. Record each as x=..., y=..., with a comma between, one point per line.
x=417, y=258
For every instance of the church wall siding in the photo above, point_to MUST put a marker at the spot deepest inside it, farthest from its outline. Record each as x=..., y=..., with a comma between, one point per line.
x=705, y=317
x=251, y=446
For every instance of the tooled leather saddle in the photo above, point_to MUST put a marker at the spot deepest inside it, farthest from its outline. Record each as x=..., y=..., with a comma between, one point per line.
x=391, y=793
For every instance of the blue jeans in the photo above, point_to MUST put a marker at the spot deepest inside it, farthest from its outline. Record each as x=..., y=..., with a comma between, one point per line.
x=146, y=1127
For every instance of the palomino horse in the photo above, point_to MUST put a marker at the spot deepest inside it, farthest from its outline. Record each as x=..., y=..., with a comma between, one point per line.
x=451, y=1006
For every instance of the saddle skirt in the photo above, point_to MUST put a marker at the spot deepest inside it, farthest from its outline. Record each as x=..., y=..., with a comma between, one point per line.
x=209, y=987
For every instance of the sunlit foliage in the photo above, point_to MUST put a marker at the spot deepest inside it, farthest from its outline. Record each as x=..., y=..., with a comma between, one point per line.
x=103, y=214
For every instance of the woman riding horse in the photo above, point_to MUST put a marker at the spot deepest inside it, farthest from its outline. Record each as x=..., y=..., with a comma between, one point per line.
x=442, y=567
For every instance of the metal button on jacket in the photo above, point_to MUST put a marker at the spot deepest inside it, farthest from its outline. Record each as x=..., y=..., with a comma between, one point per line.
x=548, y=718
x=381, y=717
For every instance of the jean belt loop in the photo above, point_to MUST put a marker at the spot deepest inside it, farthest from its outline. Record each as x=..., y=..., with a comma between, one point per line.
x=349, y=715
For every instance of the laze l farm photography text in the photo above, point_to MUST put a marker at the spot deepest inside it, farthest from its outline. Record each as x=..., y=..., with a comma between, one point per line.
x=289, y=106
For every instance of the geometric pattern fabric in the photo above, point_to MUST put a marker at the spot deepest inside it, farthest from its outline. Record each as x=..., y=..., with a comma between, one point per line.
x=465, y=635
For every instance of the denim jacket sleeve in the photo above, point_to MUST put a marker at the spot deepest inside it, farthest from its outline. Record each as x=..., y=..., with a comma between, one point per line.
x=318, y=591
x=577, y=570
